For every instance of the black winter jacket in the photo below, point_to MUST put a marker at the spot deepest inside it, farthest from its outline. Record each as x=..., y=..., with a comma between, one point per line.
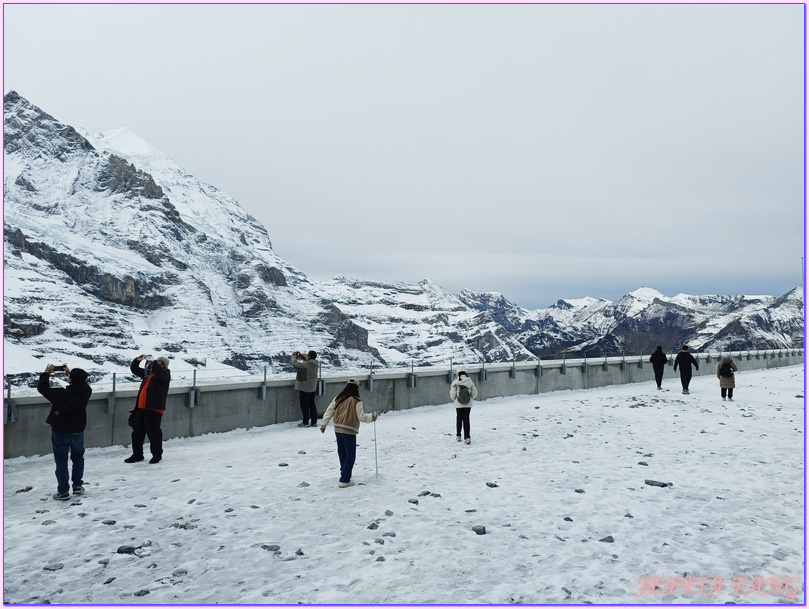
x=659, y=359
x=684, y=360
x=73, y=398
x=158, y=389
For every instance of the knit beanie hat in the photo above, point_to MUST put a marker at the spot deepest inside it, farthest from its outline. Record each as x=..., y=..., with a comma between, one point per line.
x=78, y=376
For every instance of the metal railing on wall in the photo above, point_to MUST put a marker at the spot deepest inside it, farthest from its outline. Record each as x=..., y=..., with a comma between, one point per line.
x=197, y=381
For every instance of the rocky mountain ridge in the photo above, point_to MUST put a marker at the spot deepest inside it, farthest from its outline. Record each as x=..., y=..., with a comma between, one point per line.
x=111, y=249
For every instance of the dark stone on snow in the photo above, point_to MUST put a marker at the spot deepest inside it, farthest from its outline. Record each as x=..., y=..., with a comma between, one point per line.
x=643, y=463
x=373, y=526
x=568, y=519
x=656, y=483
x=25, y=490
x=48, y=522
x=388, y=513
x=628, y=515
x=126, y=550
x=109, y=581
x=434, y=495
x=299, y=552
x=389, y=534
x=228, y=509
x=53, y=567
x=301, y=452
x=424, y=493
x=141, y=593
x=283, y=465
x=607, y=539
x=108, y=522
x=140, y=505
x=380, y=559
x=480, y=530
x=413, y=501
x=469, y=511
x=303, y=485
x=580, y=490
x=491, y=484
x=270, y=548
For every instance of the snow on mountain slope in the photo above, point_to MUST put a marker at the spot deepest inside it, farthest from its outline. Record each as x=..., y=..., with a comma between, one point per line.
x=111, y=249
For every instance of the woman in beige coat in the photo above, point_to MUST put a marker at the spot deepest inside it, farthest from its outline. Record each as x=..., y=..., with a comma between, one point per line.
x=347, y=411
x=724, y=372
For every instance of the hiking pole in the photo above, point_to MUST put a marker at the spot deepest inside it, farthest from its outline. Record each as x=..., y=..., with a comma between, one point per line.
x=376, y=460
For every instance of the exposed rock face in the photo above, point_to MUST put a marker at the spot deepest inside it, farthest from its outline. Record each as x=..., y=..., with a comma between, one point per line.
x=645, y=318
x=111, y=249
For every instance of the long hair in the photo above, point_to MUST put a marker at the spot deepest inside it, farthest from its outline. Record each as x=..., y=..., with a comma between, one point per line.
x=351, y=390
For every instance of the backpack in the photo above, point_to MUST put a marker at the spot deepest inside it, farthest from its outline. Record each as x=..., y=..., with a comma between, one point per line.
x=463, y=397
x=725, y=370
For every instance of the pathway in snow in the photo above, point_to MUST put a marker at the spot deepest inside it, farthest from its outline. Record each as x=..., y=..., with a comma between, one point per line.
x=557, y=480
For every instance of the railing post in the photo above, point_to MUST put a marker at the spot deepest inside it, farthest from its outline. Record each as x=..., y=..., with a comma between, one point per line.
x=449, y=376
x=321, y=384
x=193, y=393
x=111, y=397
x=11, y=405
x=262, y=391
x=371, y=378
x=412, y=380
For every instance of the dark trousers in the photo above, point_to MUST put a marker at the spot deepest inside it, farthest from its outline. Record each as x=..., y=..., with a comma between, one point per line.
x=728, y=391
x=147, y=423
x=685, y=377
x=308, y=407
x=462, y=420
x=347, y=451
x=659, y=376
x=64, y=443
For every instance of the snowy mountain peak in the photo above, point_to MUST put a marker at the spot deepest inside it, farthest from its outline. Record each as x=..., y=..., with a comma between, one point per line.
x=112, y=249
x=126, y=143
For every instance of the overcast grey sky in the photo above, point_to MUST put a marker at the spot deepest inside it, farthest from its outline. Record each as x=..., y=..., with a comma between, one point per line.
x=540, y=151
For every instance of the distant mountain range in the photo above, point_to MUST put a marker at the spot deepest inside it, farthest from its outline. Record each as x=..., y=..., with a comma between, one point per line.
x=111, y=249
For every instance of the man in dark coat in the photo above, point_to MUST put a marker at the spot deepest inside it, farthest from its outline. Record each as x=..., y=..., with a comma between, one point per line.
x=306, y=384
x=659, y=361
x=684, y=360
x=68, y=419
x=149, y=407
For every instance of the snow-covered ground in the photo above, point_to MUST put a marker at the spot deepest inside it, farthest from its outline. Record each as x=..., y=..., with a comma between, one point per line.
x=557, y=480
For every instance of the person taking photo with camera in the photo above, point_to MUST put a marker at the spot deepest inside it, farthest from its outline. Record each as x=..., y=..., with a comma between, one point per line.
x=306, y=384
x=68, y=419
x=149, y=407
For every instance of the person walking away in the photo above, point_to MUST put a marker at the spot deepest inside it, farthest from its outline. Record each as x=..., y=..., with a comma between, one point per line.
x=725, y=369
x=306, y=385
x=347, y=411
x=685, y=360
x=462, y=392
x=68, y=419
x=149, y=407
x=659, y=361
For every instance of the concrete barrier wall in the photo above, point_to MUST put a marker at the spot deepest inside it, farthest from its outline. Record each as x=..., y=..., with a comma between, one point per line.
x=217, y=407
